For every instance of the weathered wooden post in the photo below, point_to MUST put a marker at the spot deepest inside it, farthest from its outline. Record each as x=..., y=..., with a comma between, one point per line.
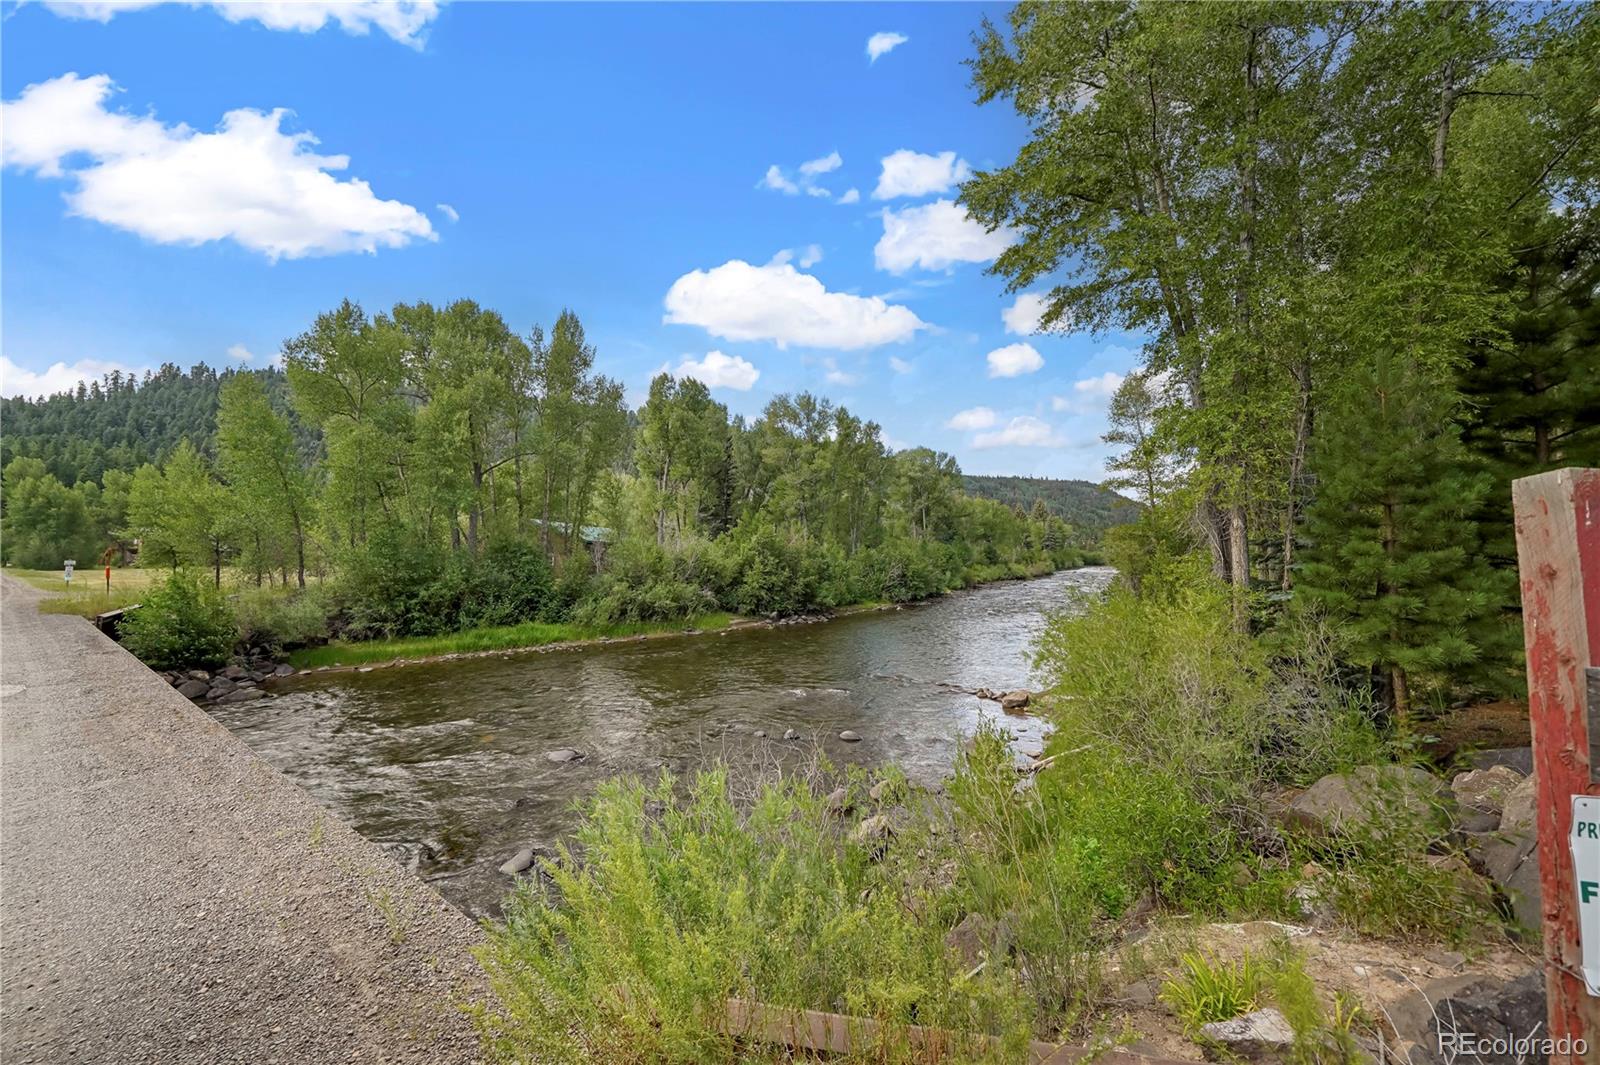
x=1558, y=558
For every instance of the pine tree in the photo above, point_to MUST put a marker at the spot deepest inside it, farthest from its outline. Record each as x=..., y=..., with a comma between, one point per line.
x=1533, y=395
x=1392, y=551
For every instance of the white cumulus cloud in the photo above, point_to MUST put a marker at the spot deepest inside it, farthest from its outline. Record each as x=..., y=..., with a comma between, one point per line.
x=249, y=182
x=810, y=255
x=449, y=212
x=1014, y=360
x=899, y=365
x=240, y=352
x=815, y=167
x=1103, y=387
x=973, y=418
x=776, y=302
x=58, y=377
x=850, y=196
x=935, y=236
x=717, y=370
x=1024, y=431
x=778, y=180
x=909, y=173
x=1089, y=394
x=881, y=44
x=836, y=376
x=1022, y=317
x=773, y=179
x=403, y=20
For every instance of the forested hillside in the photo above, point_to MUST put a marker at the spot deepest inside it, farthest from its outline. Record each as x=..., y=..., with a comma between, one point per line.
x=123, y=421
x=1090, y=508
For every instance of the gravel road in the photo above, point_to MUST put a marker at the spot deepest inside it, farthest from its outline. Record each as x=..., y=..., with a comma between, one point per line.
x=166, y=896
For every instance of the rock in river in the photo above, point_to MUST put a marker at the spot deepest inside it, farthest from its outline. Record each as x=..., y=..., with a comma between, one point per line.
x=518, y=862
x=565, y=754
x=1016, y=700
x=790, y=734
x=848, y=736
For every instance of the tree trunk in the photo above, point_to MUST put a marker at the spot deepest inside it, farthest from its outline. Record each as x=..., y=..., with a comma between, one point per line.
x=1297, y=458
x=1239, y=567
x=1400, y=692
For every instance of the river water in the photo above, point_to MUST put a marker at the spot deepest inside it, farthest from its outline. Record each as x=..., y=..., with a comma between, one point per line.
x=445, y=764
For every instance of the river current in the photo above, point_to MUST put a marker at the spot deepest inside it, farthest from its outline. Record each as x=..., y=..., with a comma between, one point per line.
x=445, y=764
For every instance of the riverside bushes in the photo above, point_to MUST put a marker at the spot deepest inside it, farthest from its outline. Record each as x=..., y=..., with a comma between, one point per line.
x=681, y=902
x=183, y=622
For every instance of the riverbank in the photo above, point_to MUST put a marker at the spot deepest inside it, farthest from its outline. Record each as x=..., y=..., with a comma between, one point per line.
x=499, y=639
x=540, y=636
x=170, y=897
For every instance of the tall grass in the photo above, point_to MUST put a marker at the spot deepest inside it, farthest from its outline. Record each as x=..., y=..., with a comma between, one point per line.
x=681, y=901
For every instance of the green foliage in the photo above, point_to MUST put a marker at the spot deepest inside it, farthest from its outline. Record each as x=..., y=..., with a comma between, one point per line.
x=1395, y=874
x=182, y=623
x=1207, y=991
x=269, y=491
x=277, y=620
x=679, y=904
x=45, y=522
x=1321, y=1036
x=1393, y=553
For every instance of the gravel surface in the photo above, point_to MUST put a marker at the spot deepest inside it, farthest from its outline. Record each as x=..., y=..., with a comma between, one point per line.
x=166, y=896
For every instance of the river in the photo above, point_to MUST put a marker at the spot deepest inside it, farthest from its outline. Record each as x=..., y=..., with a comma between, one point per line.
x=445, y=763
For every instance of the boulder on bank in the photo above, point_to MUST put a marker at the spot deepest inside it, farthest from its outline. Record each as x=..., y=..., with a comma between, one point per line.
x=193, y=689
x=1485, y=790
x=972, y=939
x=1264, y=1033
x=1016, y=700
x=874, y=833
x=284, y=670
x=1430, y=1023
x=1346, y=803
x=243, y=695
x=838, y=801
x=1509, y=855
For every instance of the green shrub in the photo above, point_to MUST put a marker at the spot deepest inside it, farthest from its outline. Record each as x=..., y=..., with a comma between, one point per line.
x=180, y=624
x=1395, y=874
x=510, y=584
x=1208, y=991
x=280, y=619
x=681, y=903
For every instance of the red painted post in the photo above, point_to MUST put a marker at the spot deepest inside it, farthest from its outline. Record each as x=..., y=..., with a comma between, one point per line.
x=1558, y=558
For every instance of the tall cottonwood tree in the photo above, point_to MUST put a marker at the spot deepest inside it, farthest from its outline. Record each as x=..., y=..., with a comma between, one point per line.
x=267, y=478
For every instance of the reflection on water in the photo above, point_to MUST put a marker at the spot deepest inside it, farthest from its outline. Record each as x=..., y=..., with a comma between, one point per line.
x=445, y=764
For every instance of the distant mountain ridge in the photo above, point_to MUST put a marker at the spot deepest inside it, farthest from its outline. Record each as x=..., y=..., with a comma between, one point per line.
x=1089, y=507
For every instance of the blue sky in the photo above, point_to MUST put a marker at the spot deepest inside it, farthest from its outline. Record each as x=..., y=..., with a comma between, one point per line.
x=644, y=165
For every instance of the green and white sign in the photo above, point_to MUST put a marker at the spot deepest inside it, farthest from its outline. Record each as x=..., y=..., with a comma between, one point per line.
x=1586, y=871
